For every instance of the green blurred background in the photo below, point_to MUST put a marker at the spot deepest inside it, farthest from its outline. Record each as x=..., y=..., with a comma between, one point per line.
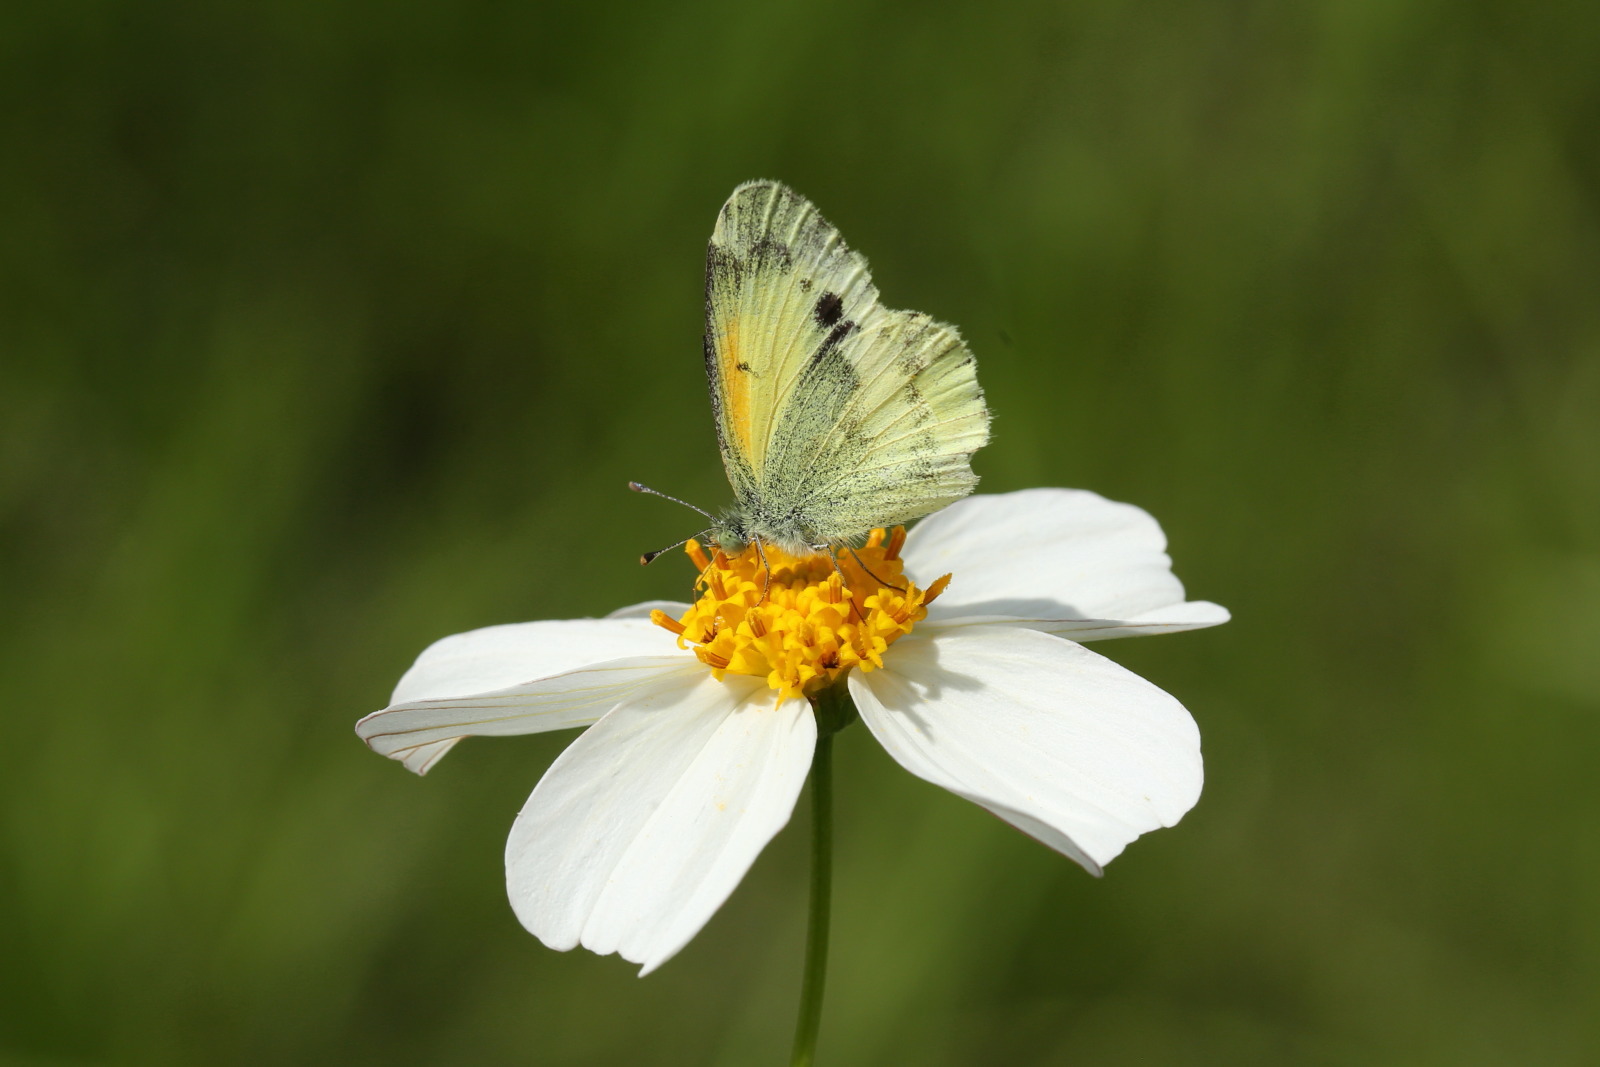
x=330, y=329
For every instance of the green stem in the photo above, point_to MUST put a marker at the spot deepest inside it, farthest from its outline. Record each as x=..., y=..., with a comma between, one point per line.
x=834, y=710
x=805, y=1031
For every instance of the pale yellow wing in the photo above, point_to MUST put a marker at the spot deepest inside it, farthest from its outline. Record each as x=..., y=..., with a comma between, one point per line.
x=778, y=282
x=834, y=414
x=897, y=445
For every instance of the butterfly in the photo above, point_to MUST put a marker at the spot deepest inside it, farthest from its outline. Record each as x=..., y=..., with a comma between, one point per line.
x=834, y=414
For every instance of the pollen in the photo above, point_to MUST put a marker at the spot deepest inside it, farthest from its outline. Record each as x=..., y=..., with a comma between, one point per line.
x=800, y=622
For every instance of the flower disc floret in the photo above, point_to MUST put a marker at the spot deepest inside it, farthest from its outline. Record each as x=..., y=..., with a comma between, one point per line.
x=800, y=622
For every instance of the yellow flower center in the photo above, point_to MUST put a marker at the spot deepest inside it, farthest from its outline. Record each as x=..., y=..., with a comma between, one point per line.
x=812, y=620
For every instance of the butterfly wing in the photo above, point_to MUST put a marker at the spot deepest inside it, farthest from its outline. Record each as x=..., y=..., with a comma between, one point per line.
x=834, y=414
x=894, y=446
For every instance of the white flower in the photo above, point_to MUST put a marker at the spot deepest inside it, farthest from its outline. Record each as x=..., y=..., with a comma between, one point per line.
x=640, y=829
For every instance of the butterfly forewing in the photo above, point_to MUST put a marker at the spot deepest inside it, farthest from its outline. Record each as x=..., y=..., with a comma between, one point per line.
x=772, y=262
x=833, y=413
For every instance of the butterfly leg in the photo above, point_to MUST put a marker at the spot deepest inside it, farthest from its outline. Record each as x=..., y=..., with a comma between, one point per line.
x=874, y=577
x=766, y=570
x=844, y=580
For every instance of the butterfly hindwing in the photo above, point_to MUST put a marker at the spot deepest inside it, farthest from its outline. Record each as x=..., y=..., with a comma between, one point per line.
x=834, y=414
x=900, y=445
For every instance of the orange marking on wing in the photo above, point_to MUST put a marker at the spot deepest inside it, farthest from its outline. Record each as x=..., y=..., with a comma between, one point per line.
x=735, y=387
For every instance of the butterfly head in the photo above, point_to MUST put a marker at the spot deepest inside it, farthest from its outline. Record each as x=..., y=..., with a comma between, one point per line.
x=731, y=532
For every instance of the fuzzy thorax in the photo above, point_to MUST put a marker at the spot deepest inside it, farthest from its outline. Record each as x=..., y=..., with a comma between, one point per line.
x=807, y=624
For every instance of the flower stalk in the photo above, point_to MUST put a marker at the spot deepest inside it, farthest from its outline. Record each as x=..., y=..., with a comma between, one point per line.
x=834, y=711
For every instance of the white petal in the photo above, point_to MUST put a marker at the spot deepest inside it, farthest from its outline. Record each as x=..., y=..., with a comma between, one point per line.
x=480, y=661
x=517, y=679
x=644, y=825
x=675, y=608
x=1193, y=615
x=1066, y=561
x=1058, y=741
x=418, y=733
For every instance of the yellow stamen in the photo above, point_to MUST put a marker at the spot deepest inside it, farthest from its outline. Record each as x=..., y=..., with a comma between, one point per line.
x=897, y=541
x=806, y=622
x=667, y=622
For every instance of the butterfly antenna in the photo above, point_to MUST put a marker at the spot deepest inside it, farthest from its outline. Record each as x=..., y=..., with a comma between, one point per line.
x=637, y=488
x=649, y=557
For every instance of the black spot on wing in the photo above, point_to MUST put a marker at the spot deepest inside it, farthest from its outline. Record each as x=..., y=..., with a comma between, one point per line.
x=829, y=308
x=805, y=285
x=831, y=342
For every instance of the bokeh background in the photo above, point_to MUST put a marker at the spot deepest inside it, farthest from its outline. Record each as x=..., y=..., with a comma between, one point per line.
x=330, y=329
